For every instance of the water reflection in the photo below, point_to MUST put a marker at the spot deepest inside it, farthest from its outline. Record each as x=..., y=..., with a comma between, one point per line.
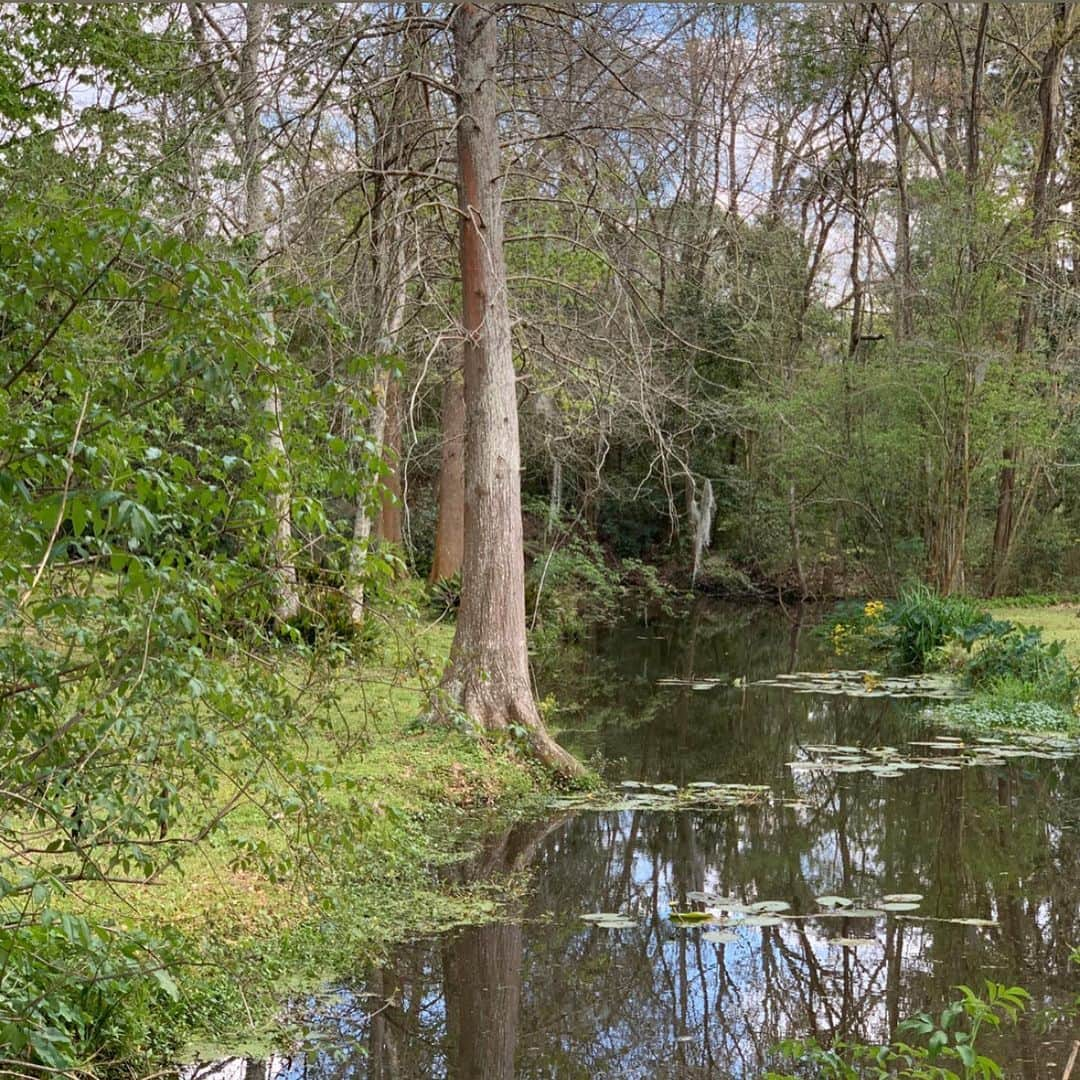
x=547, y=995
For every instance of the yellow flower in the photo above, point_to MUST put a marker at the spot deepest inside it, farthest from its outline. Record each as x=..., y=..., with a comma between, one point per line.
x=874, y=609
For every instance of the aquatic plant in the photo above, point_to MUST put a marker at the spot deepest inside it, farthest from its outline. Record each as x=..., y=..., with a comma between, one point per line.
x=922, y=621
x=989, y=713
x=951, y=1043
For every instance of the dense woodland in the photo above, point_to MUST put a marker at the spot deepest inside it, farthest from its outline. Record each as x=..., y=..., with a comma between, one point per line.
x=301, y=303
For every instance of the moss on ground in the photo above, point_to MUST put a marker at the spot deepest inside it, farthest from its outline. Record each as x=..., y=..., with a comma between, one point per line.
x=250, y=942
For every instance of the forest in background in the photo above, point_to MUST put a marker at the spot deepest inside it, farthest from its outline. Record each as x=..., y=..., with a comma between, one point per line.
x=822, y=259
x=787, y=308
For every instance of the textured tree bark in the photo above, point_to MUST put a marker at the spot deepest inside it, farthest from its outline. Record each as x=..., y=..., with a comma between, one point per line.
x=488, y=673
x=450, y=524
x=389, y=527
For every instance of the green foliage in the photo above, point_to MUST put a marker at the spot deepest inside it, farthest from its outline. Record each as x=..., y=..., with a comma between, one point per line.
x=947, y=1047
x=143, y=703
x=855, y=629
x=922, y=621
x=1015, y=663
x=1011, y=666
x=446, y=594
x=571, y=586
x=1002, y=710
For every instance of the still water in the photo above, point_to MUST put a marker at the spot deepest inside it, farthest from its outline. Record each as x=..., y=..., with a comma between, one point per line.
x=546, y=994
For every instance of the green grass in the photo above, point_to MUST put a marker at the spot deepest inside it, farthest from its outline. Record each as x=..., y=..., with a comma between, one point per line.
x=1058, y=622
x=1011, y=705
x=431, y=792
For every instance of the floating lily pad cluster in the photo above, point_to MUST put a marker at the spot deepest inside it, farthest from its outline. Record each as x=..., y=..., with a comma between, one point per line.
x=723, y=916
x=634, y=795
x=869, y=684
x=941, y=754
x=702, y=683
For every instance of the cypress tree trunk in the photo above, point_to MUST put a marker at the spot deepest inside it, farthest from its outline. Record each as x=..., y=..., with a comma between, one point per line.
x=450, y=524
x=488, y=674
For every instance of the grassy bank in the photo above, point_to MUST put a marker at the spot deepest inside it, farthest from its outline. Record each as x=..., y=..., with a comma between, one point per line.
x=249, y=942
x=1058, y=621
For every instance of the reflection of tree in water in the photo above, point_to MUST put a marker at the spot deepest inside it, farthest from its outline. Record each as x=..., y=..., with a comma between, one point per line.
x=564, y=999
x=659, y=984
x=464, y=1018
x=555, y=997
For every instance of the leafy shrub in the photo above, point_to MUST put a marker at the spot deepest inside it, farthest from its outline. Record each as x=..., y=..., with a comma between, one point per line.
x=922, y=621
x=74, y=983
x=1018, y=664
x=138, y=645
x=572, y=586
x=446, y=594
x=950, y=1051
x=855, y=628
x=719, y=574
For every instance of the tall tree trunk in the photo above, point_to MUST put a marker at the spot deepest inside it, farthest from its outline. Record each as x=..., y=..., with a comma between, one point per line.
x=241, y=112
x=250, y=147
x=488, y=674
x=1049, y=106
x=389, y=528
x=450, y=523
x=904, y=320
x=389, y=266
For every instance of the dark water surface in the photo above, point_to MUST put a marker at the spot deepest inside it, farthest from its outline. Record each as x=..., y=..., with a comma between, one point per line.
x=548, y=995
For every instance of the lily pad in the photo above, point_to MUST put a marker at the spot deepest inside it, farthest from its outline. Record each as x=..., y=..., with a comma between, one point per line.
x=834, y=901
x=859, y=913
x=689, y=918
x=900, y=906
x=762, y=920
x=609, y=920
x=902, y=898
x=720, y=937
x=868, y=684
x=770, y=906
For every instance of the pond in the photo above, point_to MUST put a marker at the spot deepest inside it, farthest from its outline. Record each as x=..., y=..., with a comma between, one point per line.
x=550, y=994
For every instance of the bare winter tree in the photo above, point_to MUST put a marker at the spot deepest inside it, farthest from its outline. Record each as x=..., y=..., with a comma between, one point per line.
x=242, y=106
